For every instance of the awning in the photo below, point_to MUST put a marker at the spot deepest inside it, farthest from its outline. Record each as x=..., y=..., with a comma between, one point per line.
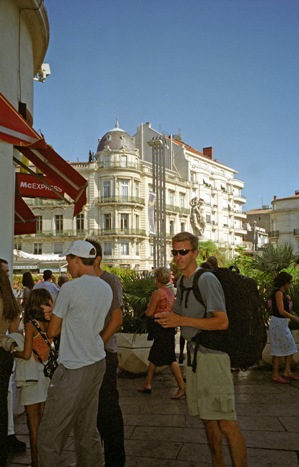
x=15, y=130
x=25, y=220
x=58, y=170
x=13, y=127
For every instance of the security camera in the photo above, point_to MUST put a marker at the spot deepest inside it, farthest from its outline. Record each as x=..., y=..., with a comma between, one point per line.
x=43, y=73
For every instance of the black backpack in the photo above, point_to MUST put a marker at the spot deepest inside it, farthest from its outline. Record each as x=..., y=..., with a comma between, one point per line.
x=245, y=337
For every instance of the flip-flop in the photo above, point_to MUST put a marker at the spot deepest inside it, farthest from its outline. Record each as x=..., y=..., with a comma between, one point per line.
x=280, y=380
x=145, y=390
x=293, y=377
x=179, y=394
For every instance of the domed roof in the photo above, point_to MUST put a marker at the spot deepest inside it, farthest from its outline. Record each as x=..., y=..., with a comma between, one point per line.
x=115, y=140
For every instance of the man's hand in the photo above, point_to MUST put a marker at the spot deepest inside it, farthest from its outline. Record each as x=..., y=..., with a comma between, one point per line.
x=168, y=320
x=47, y=309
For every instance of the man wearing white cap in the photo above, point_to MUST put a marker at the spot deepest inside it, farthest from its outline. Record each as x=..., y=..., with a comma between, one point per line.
x=72, y=403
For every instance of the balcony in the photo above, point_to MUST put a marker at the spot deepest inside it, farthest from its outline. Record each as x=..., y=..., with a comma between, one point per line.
x=273, y=233
x=119, y=165
x=122, y=232
x=120, y=200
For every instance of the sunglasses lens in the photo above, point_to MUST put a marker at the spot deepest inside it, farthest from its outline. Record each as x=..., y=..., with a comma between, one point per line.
x=182, y=252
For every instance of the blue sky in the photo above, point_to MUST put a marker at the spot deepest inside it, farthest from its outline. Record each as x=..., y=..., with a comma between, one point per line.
x=223, y=72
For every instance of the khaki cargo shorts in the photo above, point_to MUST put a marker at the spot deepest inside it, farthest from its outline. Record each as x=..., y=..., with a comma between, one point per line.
x=210, y=391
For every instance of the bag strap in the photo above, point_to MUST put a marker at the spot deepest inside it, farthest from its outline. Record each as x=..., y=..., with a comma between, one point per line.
x=37, y=326
x=38, y=357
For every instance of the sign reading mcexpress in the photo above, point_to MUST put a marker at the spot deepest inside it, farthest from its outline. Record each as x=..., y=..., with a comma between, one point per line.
x=31, y=187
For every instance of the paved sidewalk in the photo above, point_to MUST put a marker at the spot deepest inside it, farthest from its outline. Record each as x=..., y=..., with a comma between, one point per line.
x=159, y=431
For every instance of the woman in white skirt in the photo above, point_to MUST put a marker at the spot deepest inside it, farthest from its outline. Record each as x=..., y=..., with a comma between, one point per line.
x=281, y=340
x=33, y=397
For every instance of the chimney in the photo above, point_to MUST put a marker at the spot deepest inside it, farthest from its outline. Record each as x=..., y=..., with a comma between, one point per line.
x=208, y=152
x=275, y=197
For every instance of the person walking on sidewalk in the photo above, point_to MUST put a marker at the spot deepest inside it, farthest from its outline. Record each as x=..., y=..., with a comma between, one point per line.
x=209, y=390
x=282, y=342
x=163, y=349
x=72, y=403
x=110, y=420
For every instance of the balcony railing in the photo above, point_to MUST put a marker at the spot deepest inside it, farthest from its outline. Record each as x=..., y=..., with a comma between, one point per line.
x=274, y=233
x=119, y=165
x=121, y=232
x=121, y=199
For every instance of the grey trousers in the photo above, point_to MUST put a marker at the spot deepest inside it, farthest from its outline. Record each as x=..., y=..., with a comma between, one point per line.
x=72, y=403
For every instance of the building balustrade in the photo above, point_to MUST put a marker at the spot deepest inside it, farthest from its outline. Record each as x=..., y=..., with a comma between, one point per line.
x=273, y=233
x=121, y=199
x=119, y=165
x=121, y=232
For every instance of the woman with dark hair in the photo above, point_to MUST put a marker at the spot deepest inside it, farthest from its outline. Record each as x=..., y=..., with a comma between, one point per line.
x=33, y=396
x=10, y=312
x=281, y=340
x=28, y=284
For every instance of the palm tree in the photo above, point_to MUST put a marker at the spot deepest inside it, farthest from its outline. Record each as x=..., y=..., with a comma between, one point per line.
x=274, y=259
x=137, y=289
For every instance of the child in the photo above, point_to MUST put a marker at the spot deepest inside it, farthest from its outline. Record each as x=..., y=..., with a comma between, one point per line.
x=33, y=397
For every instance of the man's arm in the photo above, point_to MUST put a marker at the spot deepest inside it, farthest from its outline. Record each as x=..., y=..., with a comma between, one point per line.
x=112, y=325
x=54, y=328
x=217, y=322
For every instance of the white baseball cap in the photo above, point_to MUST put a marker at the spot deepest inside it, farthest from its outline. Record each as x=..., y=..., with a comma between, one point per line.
x=80, y=248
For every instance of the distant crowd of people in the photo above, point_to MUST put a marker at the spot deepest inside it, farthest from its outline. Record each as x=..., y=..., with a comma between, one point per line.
x=80, y=318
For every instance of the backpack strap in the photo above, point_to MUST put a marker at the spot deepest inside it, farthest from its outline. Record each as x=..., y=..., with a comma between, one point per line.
x=37, y=326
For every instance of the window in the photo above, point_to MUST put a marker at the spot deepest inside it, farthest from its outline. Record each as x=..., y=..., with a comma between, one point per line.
x=123, y=161
x=124, y=188
x=171, y=197
x=18, y=246
x=225, y=221
x=107, y=188
x=124, y=248
x=182, y=200
x=136, y=222
x=124, y=221
x=39, y=224
x=182, y=226
x=137, y=189
x=208, y=218
x=37, y=248
x=171, y=227
x=107, y=248
x=137, y=249
x=107, y=221
x=80, y=223
x=58, y=248
x=59, y=223
x=106, y=161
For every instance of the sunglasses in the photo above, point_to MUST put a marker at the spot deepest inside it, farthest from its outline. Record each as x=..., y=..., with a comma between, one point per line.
x=183, y=252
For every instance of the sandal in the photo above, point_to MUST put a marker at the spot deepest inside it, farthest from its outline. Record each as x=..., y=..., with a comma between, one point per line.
x=145, y=390
x=280, y=380
x=293, y=377
x=179, y=394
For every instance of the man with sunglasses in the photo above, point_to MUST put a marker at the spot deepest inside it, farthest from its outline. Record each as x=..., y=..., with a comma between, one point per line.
x=210, y=391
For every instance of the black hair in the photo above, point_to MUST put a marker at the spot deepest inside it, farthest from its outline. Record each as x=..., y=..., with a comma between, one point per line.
x=27, y=280
x=282, y=279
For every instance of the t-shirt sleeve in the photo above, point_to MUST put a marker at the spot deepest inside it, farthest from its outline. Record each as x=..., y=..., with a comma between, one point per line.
x=61, y=304
x=211, y=292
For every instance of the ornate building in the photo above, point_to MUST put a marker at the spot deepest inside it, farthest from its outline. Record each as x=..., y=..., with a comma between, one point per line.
x=122, y=197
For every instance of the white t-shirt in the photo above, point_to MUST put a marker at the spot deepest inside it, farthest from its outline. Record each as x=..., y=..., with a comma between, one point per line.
x=83, y=305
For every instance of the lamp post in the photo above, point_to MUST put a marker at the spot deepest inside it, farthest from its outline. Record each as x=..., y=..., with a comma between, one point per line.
x=158, y=164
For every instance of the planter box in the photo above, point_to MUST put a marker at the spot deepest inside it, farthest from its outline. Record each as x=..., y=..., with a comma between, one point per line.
x=133, y=350
x=267, y=358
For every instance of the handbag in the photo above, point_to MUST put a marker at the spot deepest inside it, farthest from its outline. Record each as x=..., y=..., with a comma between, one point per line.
x=52, y=363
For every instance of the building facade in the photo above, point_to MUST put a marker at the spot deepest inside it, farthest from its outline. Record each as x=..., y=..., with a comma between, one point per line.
x=122, y=199
x=284, y=221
